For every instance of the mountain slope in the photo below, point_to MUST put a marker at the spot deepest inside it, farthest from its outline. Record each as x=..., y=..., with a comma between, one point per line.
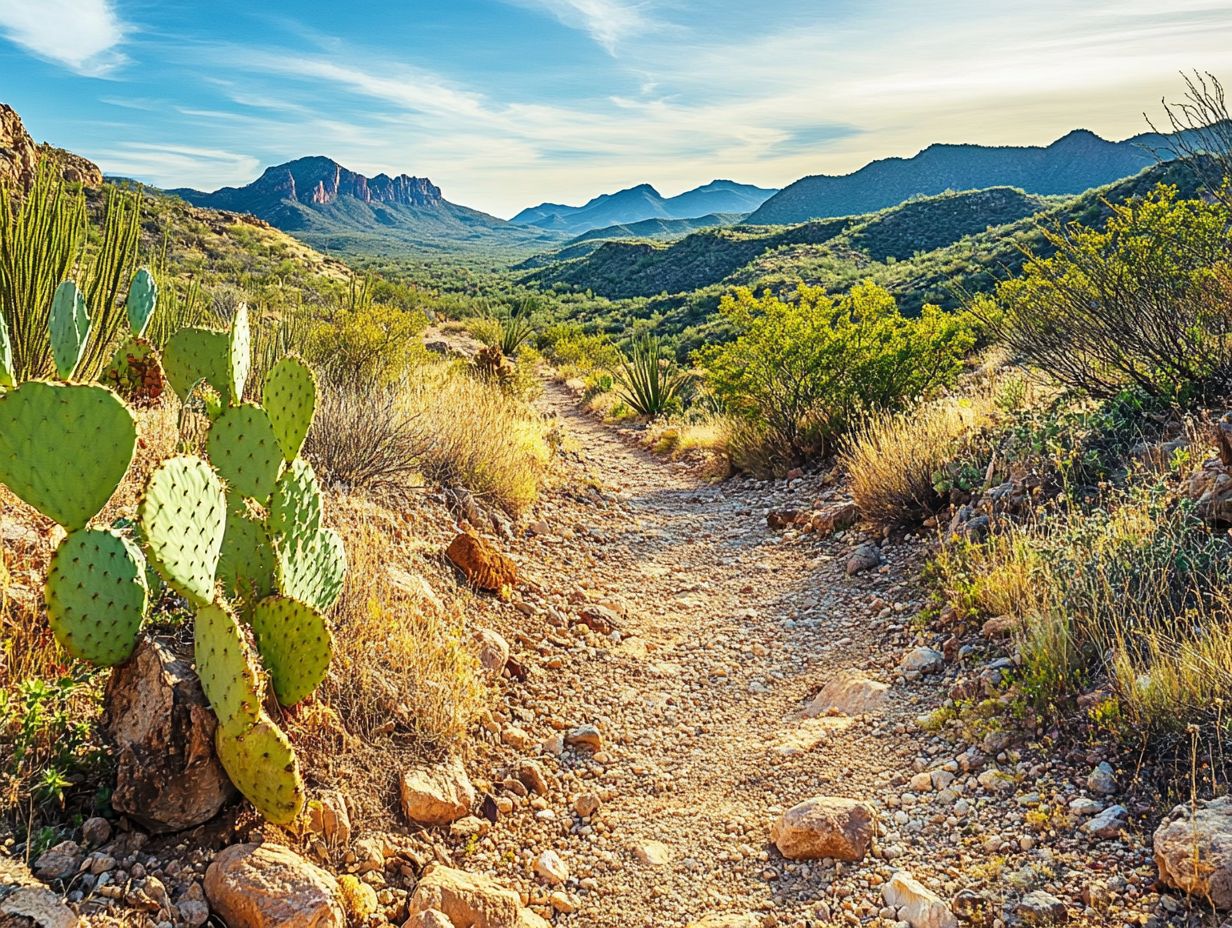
x=658, y=228
x=643, y=202
x=1072, y=164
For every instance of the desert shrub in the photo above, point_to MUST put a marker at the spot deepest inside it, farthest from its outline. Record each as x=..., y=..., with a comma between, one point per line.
x=573, y=350
x=486, y=330
x=373, y=344
x=516, y=331
x=1141, y=304
x=899, y=462
x=650, y=380
x=801, y=373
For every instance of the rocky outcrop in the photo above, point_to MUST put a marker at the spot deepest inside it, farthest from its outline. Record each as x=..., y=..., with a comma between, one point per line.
x=1193, y=850
x=268, y=885
x=20, y=156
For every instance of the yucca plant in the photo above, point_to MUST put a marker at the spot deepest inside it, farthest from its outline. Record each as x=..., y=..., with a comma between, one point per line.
x=649, y=378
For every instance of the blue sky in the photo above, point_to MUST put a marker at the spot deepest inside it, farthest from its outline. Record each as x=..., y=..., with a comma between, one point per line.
x=506, y=103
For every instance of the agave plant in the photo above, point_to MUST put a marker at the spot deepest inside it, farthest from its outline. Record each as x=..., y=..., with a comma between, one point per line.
x=649, y=378
x=516, y=328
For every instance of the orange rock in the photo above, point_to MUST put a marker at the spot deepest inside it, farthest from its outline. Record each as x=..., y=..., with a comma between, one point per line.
x=481, y=564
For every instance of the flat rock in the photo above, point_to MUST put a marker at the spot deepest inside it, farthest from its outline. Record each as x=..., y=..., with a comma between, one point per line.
x=1193, y=850
x=470, y=900
x=1041, y=908
x=825, y=826
x=40, y=905
x=59, y=862
x=922, y=661
x=437, y=794
x=864, y=557
x=270, y=886
x=849, y=693
x=1109, y=823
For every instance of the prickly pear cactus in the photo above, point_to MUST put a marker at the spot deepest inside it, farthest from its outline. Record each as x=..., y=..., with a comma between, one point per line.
x=64, y=448
x=70, y=327
x=290, y=398
x=225, y=666
x=246, y=567
x=135, y=372
x=193, y=355
x=295, y=504
x=295, y=644
x=263, y=766
x=142, y=299
x=8, y=376
x=183, y=519
x=240, y=352
x=311, y=567
x=96, y=595
x=244, y=449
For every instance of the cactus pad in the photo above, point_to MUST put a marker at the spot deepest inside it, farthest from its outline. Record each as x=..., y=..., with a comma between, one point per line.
x=242, y=446
x=246, y=567
x=135, y=372
x=64, y=448
x=311, y=568
x=183, y=517
x=295, y=504
x=225, y=667
x=240, y=352
x=142, y=298
x=193, y=355
x=8, y=376
x=262, y=765
x=70, y=327
x=290, y=398
x=96, y=595
x=295, y=644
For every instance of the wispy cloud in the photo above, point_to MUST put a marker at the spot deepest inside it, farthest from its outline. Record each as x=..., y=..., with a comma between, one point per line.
x=168, y=164
x=608, y=22
x=82, y=35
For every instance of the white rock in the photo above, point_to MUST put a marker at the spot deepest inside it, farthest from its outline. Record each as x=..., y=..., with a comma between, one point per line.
x=917, y=905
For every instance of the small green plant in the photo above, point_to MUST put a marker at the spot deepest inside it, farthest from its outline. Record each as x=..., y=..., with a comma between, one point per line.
x=516, y=330
x=651, y=382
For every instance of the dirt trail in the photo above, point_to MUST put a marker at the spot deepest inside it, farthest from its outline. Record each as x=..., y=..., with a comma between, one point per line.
x=728, y=630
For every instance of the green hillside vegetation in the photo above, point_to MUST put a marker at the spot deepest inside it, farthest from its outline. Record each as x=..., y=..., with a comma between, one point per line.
x=661, y=229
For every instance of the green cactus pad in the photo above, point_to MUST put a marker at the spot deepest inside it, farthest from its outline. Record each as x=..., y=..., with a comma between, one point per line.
x=183, y=518
x=295, y=504
x=242, y=446
x=64, y=448
x=225, y=667
x=8, y=375
x=296, y=645
x=311, y=568
x=246, y=567
x=263, y=766
x=240, y=352
x=290, y=398
x=142, y=298
x=193, y=355
x=70, y=327
x=135, y=372
x=96, y=595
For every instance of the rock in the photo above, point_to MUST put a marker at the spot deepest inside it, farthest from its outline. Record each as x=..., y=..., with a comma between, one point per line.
x=329, y=819
x=600, y=619
x=972, y=906
x=1210, y=488
x=193, y=909
x=20, y=157
x=95, y=831
x=727, y=921
x=1102, y=780
x=493, y=651
x=835, y=519
x=864, y=557
x=825, y=826
x=1001, y=626
x=653, y=853
x=922, y=661
x=470, y=900
x=269, y=886
x=481, y=564
x=358, y=899
x=168, y=777
x=1041, y=908
x=549, y=866
x=437, y=794
x=40, y=906
x=1108, y=823
x=917, y=905
x=530, y=774
x=59, y=862
x=431, y=918
x=779, y=519
x=849, y=693
x=1193, y=850
x=586, y=805
x=585, y=736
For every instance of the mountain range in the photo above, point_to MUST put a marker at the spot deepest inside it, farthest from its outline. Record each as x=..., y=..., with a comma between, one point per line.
x=1072, y=164
x=637, y=204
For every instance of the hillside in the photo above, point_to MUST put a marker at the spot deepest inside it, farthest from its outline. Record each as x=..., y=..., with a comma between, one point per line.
x=1072, y=164
x=643, y=202
x=658, y=228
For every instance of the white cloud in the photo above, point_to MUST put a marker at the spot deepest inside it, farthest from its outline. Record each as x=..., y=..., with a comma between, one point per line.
x=170, y=165
x=608, y=22
x=82, y=35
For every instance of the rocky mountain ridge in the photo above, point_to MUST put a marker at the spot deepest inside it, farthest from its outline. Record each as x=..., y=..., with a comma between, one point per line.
x=20, y=156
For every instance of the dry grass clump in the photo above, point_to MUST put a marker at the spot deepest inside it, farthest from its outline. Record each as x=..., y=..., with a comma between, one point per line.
x=895, y=460
x=702, y=440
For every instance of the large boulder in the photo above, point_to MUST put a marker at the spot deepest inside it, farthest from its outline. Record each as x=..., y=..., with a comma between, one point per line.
x=268, y=885
x=470, y=901
x=825, y=826
x=1193, y=850
x=168, y=777
x=437, y=794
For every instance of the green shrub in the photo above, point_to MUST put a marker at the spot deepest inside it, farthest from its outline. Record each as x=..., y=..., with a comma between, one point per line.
x=801, y=372
x=650, y=381
x=374, y=344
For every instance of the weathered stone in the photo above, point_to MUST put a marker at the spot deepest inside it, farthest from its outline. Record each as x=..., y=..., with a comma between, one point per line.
x=168, y=777
x=550, y=866
x=1001, y=626
x=59, y=862
x=1109, y=823
x=430, y=918
x=1193, y=850
x=481, y=564
x=1041, y=908
x=653, y=853
x=329, y=819
x=493, y=651
x=599, y=619
x=922, y=661
x=269, y=886
x=917, y=905
x=437, y=794
x=849, y=693
x=864, y=557
x=727, y=921
x=825, y=826
x=584, y=736
x=470, y=900
x=835, y=519
x=40, y=906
